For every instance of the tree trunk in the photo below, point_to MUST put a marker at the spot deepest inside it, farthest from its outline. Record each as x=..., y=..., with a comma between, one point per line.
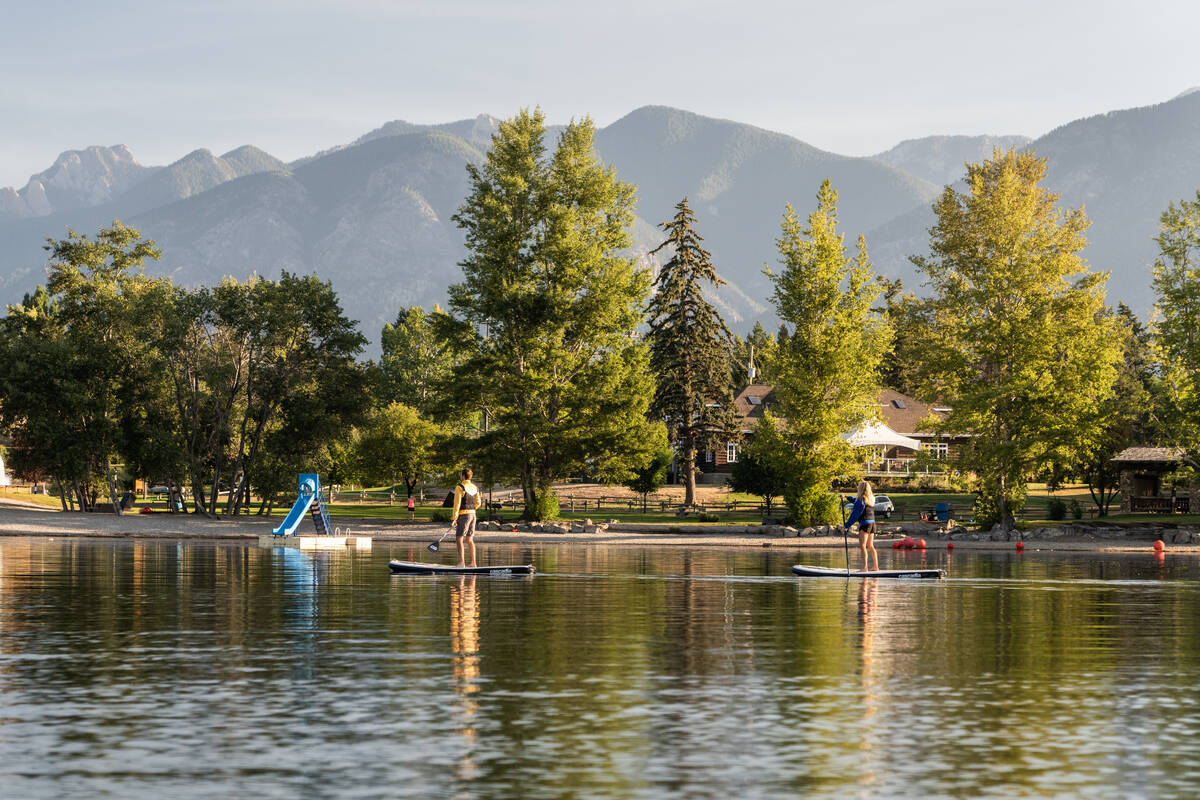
x=62, y=495
x=112, y=491
x=689, y=474
x=1003, y=512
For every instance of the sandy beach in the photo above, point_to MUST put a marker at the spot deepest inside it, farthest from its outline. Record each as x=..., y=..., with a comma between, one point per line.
x=24, y=519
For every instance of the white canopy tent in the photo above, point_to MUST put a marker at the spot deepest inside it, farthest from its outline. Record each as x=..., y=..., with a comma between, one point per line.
x=876, y=434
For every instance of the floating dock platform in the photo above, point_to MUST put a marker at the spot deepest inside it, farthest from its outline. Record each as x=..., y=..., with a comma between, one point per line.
x=317, y=542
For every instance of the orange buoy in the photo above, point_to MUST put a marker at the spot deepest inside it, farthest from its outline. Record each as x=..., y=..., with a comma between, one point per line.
x=1158, y=546
x=920, y=544
x=1020, y=545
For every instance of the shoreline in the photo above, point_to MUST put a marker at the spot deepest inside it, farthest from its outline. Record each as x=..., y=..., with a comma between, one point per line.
x=19, y=520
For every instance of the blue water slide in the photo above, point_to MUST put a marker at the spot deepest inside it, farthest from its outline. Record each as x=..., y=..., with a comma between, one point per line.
x=308, y=495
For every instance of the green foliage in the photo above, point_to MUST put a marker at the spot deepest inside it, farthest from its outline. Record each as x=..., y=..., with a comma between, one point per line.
x=653, y=475
x=1134, y=416
x=762, y=346
x=544, y=506
x=761, y=466
x=553, y=305
x=1177, y=288
x=1056, y=509
x=705, y=516
x=441, y=514
x=828, y=364
x=73, y=354
x=1074, y=509
x=396, y=444
x=813, y=505
x=689, y=348
x=418, y=357
x=1017, y=342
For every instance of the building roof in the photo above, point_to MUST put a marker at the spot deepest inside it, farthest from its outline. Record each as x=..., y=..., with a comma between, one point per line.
x=903, y=414
x=1149, y=455
x=750, y=403
x=899, y=412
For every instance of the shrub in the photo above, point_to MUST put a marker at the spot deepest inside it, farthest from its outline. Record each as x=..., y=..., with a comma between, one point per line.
x=1075, y=509
x=1056, y=509
x=707, y=517
x=813, y=506
x=544, y=506
x=441, y=514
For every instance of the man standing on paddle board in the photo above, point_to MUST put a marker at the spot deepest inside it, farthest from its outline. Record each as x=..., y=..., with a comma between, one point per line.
x=863, y=512
x=466, y=500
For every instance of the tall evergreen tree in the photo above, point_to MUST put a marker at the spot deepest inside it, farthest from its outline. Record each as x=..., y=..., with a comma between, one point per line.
x=1017, y=341
x=828, y=364
x=554, y=363
x=690, y=349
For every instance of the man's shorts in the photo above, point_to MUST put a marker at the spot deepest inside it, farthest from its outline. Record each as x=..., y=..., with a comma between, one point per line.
x=465, y=524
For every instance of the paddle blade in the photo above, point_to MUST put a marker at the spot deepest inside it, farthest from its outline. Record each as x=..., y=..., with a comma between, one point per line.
x=433, y=547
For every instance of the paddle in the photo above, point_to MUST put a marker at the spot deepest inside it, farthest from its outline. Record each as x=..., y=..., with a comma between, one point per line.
x=434, y=547
x=845, y=533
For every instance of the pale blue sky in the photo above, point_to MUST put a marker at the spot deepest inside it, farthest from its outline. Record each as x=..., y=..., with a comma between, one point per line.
x=296, y=76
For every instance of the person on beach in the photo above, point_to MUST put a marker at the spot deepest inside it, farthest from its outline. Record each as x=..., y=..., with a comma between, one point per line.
x=412, y=508
x=462, y=519
x=863, y=512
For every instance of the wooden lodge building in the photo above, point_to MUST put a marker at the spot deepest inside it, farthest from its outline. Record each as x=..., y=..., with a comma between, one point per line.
x=894, y=440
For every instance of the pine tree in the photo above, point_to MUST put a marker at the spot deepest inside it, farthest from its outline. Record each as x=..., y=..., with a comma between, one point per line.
x=689, y=348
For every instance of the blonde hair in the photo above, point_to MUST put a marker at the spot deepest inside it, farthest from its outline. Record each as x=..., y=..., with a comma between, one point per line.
x=865, y=494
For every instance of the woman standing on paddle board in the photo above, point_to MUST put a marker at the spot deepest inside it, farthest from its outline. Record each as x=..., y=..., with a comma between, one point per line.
x=466, y=500
x=863, y=512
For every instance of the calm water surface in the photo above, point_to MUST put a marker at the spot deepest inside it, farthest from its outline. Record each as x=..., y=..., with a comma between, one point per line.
x=196, y=670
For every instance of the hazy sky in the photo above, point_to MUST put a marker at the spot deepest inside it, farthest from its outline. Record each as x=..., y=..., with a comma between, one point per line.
x=295, y=76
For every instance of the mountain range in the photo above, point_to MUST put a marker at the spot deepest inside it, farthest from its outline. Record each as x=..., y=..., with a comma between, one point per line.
x=374, y=215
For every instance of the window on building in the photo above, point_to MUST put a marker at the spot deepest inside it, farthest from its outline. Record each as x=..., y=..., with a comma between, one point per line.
x=731, y=452
x=708, y=455
x=938, y=449
x=754, y=399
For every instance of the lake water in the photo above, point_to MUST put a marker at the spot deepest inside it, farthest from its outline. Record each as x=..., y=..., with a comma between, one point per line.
x=199, y=670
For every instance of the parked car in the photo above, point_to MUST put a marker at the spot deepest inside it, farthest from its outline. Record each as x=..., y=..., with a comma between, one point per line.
x=884, y=507
x=158, y=490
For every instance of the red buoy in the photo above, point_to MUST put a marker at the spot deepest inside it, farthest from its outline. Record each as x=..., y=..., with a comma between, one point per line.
x=1020, y=545
x=1158, y=546
x=949, y=545
x=908, y=543
x=896, y=544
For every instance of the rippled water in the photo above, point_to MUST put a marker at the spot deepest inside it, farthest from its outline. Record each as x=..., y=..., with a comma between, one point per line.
x=151, y=669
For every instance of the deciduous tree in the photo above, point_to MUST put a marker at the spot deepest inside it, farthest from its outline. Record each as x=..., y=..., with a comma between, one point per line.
x=829, y=363
x=553, y=361
x=1017, y=342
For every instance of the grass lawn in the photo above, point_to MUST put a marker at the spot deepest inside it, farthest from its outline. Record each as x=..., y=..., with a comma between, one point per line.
x=909, y=507
x=40, y=499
